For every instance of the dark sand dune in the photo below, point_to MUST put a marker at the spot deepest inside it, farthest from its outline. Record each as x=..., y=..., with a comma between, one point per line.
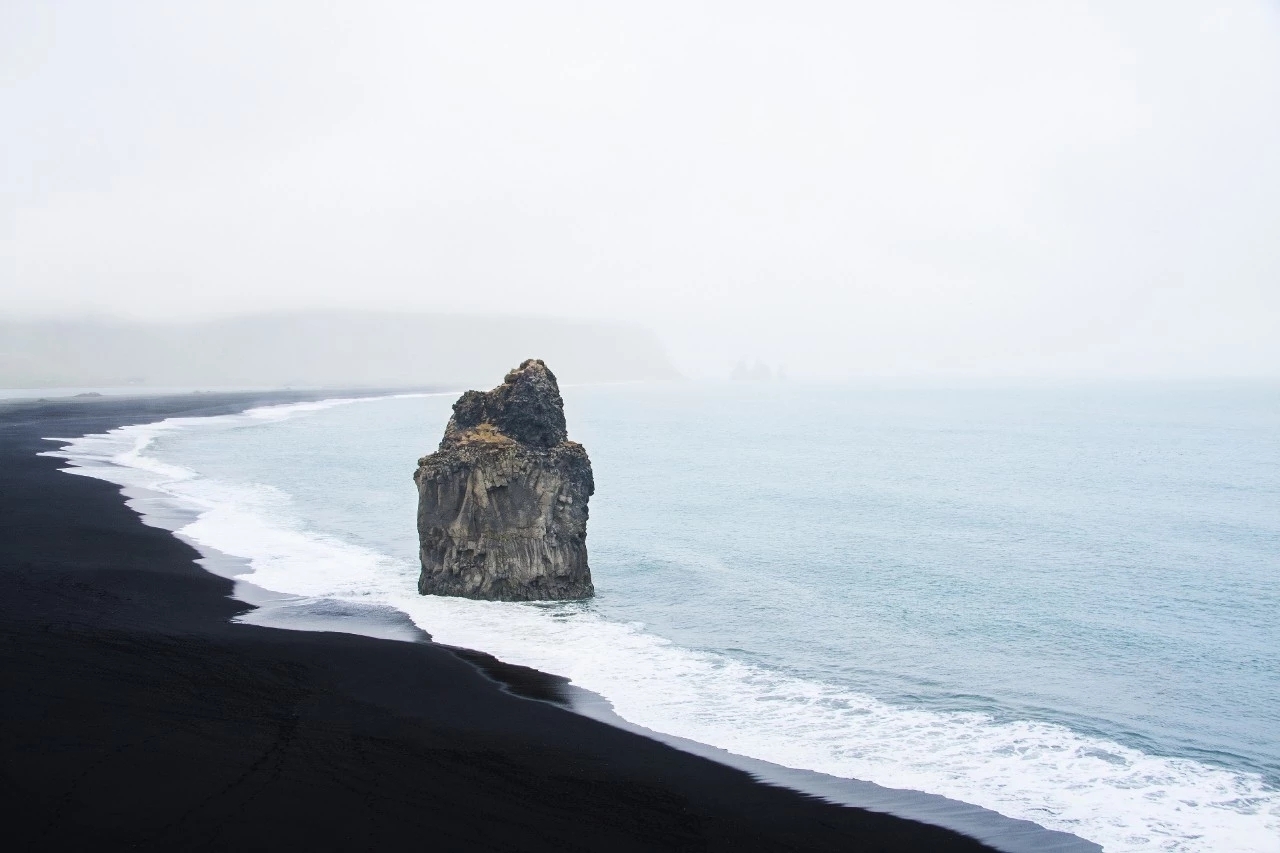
x=136, y=716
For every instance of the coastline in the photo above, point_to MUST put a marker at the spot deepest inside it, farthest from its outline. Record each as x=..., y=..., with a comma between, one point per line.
x=142, y=716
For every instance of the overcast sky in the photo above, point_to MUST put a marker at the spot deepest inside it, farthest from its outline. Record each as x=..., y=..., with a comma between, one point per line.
x=849, y=188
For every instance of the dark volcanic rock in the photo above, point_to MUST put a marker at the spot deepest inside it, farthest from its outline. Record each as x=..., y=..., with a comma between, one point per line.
x=502, y=505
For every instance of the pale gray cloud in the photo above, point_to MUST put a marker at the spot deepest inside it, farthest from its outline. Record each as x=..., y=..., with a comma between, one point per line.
x=920, y=187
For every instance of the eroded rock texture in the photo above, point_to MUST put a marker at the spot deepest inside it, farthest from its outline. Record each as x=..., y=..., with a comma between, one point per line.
x=502, y=505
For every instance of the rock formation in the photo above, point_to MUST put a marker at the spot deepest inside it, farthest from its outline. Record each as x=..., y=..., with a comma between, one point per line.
x=502, y=505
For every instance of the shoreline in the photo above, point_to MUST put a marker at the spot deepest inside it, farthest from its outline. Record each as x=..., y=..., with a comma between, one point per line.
x=100, y=414
x=288, y=611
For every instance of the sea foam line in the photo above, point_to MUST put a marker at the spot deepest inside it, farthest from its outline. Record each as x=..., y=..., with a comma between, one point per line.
x=1103, y=791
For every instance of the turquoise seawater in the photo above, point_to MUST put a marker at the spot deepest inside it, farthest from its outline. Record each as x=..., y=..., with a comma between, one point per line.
x=1061, y=603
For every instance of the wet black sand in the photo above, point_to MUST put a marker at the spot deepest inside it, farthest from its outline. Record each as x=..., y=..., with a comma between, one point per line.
x=135, y=715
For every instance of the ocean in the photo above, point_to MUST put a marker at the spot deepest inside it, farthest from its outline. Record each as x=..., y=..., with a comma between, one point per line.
x=1060, y=603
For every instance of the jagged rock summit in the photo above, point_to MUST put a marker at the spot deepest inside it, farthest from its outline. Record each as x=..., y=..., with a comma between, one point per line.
x=502, y=505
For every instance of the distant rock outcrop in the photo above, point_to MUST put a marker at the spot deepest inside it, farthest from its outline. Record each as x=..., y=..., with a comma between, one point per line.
x=758, y=372
x=502, y=505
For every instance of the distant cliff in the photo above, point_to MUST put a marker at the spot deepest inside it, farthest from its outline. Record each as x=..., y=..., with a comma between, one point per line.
x=319, y=349
x=502, y=505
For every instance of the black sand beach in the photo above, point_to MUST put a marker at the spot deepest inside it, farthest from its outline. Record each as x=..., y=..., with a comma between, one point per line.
x=137, y=716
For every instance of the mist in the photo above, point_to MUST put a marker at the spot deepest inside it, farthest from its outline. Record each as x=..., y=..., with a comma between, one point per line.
x=845, y=189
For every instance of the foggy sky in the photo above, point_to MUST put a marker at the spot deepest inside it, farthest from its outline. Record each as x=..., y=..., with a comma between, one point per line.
x=922, y=187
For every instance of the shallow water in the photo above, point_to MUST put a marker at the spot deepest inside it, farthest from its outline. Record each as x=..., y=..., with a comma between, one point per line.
x=1056, y=603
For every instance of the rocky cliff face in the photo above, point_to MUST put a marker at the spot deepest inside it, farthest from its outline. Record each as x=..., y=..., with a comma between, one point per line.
x=502, y=505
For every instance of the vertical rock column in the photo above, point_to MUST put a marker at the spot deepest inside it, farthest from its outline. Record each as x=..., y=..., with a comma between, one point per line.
x=502, y=505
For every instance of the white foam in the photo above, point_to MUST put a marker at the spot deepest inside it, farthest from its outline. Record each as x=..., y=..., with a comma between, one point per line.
x=1108, y=793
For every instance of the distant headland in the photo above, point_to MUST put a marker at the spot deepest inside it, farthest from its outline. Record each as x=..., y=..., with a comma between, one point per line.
x=319, y=349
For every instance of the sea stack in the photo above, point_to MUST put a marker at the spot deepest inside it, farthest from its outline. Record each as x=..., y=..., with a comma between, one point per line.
x=502, y=505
